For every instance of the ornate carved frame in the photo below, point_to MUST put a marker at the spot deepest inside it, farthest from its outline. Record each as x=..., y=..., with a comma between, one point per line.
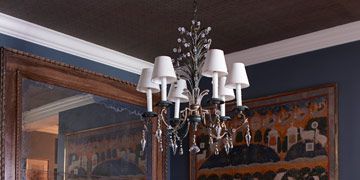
x=16, y=65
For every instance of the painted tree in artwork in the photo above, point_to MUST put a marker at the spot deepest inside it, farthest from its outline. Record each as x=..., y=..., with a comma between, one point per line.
x=279, y=144
x=239, y=137
x=266, y=135
x=258, y=136
x=284, y=145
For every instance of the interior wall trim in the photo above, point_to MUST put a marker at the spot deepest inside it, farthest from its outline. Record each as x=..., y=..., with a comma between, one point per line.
x=34, y=33
x=300, y=44
x=288, y=47
x=56, y=107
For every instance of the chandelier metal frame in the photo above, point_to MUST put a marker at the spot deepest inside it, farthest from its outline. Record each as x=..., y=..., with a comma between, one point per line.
x=193, y=44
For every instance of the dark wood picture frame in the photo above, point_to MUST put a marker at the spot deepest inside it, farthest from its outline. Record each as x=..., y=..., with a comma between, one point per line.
x=16, y=65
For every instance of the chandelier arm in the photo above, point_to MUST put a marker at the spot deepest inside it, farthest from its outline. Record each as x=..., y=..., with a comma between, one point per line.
x=181, y=124
x=204, y=113
x=246, y=122
x=180, y=138
x=163, y=119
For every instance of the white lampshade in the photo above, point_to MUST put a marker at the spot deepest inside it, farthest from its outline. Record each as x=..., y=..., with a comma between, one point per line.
x=214, y=62
x=224, y=91
x=145, y=82
x=237, y=76
x=176, y=91
x=163, y=67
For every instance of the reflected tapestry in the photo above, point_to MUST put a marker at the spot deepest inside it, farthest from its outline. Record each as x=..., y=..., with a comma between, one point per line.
x=111, y=152
x=294, y=135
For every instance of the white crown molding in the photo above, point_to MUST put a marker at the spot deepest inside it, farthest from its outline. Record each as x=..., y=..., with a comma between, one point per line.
x=52, y=39
x=300, y=44
x=55, y=107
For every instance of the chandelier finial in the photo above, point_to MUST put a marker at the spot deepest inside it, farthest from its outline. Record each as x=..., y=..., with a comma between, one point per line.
x=195, y=6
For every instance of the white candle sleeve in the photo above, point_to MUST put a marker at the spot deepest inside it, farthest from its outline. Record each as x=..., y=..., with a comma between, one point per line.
x=238, y=95
x=149, y=100
x=177, y=108
x=163, y=89
x=222, y=107
x=215, y=83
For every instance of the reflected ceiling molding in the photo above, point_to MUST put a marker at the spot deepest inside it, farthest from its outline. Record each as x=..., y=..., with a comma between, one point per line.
x=55, y=40
x=300, y=44
x=55, y=107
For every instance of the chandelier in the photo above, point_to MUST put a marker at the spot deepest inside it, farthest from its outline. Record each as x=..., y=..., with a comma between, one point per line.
x=194, y=59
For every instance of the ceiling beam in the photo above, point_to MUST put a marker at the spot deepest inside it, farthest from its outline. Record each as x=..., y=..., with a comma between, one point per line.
x=34, y=33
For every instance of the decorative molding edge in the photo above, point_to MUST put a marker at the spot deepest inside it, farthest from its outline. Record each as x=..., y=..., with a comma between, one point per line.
x=55, y=40
x=56, y=107
x=300, y=44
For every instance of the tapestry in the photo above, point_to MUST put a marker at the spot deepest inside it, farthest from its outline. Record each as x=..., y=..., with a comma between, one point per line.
x=111, y=152
x=294, y=136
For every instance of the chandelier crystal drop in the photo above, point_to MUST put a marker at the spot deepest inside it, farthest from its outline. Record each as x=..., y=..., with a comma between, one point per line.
x=193, y=60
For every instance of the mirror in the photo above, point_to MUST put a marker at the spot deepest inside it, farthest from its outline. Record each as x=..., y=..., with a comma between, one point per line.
x=60, y=122
x=69, y=134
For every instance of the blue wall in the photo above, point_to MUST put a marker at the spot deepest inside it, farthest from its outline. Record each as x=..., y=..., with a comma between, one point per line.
x=11, y=42
x=339, y=64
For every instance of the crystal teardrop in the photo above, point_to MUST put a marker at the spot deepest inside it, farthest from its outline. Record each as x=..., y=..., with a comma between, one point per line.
x=143, y=144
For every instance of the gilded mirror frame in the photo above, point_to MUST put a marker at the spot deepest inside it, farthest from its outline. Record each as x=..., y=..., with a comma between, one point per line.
x=16, y=65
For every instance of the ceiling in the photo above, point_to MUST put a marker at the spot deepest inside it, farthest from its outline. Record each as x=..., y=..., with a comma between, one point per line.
x=146, y=29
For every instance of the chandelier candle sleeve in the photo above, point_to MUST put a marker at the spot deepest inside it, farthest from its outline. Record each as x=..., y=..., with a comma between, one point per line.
x=238, y=95
x=222, y=106
x=163, y=89
x=177, y=96
x=226, y=94
x=149, y=100
x=215, y=84
x=177, y=108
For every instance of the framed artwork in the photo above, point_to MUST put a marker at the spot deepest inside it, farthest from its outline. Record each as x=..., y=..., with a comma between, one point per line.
x=111, y=152
x=294, y=135
x=37, y=169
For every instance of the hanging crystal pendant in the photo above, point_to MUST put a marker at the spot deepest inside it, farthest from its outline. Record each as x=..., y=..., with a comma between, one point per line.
x=218, y=131
x=174, y=146
x=211, y=141
x=143, y=144
x=158, y=134
x=216, y=149
x=227, y=148
x=181, y=150
x=248, y=136
x=231, y=143
x=194, y=148
x=143, y=141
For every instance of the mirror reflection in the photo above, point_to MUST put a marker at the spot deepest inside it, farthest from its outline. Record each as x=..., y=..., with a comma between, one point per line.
x=68, y=134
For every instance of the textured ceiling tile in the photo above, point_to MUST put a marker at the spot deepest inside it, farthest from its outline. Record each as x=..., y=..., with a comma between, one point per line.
x=146, y=29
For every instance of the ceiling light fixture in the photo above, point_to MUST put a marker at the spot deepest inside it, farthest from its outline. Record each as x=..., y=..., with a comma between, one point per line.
x=194, y=60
